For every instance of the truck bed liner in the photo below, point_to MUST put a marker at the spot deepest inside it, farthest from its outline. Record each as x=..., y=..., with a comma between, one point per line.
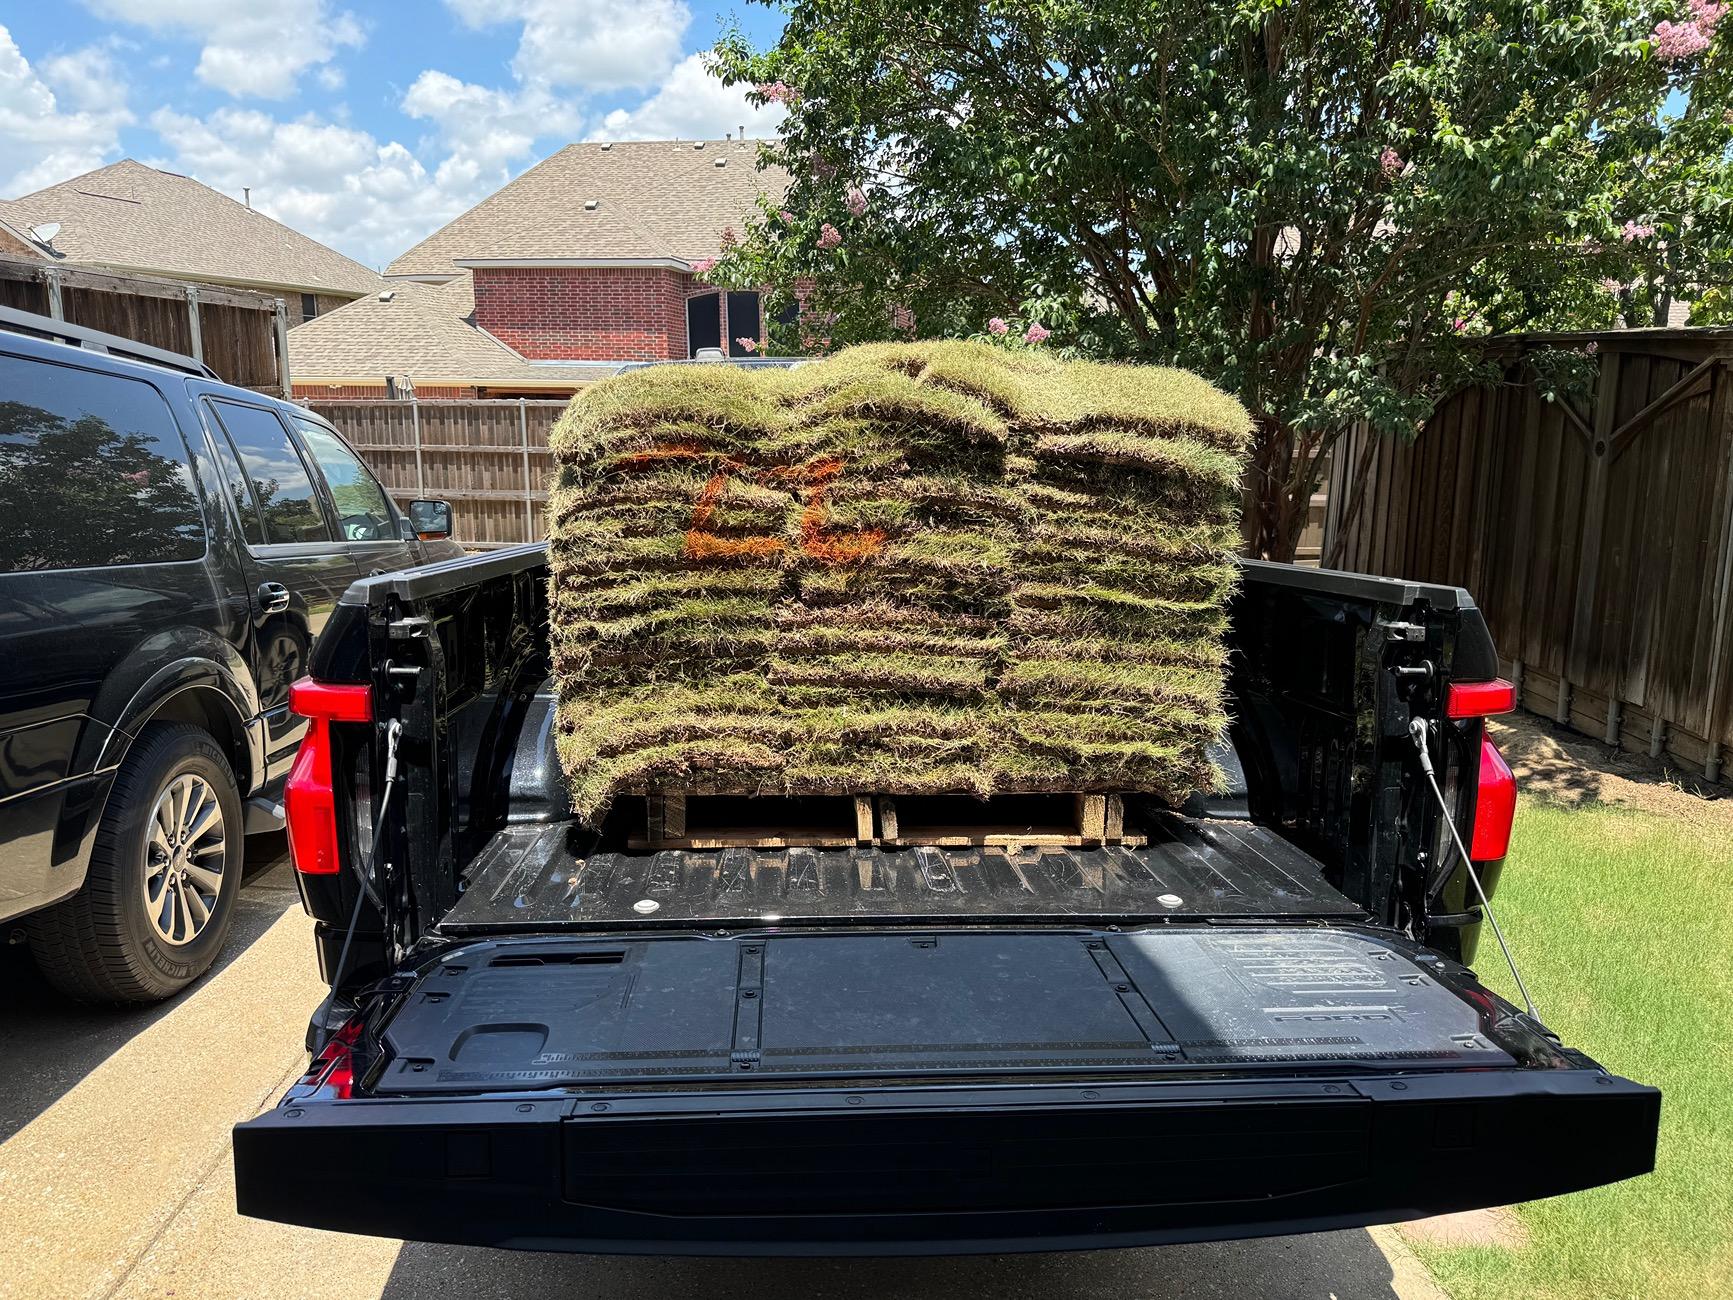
x=550, y=1012
x=528, y=878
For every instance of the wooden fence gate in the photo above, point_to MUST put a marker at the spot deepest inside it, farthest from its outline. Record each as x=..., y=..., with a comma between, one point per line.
x=490, y=459
x=1599, y=542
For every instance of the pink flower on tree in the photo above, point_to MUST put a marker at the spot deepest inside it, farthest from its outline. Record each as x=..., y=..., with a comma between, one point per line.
x=829, y=236
x=902, y=319
x=747, y=343
x=1037, y=333
x=786, y=217
x=776, y=92
x=998, y=327
x=1632, y=232
x=703, y=266
x=1390, y=162
x=857, y=200
x=729, y=238
x=1610, y=285
x=1592, y=347
x=1676, y=41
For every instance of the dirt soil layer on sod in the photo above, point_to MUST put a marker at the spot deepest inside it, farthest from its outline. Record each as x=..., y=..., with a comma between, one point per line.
x=908, y=568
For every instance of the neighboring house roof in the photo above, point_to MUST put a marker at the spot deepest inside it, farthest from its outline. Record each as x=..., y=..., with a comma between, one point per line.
x=15, y=243
x=419, y=330
x=654, y=201
x=131, y=217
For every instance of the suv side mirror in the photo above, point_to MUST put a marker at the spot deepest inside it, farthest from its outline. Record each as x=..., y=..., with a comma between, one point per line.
x=431, y=520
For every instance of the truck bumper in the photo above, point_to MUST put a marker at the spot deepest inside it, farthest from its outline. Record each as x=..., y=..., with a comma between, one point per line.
x=940, y=1170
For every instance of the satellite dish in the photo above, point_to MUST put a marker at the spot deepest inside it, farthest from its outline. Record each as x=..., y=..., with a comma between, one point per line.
x=45, y=233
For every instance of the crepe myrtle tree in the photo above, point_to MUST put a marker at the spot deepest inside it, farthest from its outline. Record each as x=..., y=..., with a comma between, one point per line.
x=1318, y=205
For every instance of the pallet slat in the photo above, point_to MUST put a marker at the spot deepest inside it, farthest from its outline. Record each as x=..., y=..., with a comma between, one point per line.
x=876, y=819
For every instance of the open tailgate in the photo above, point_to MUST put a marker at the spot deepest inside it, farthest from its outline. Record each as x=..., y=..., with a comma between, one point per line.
x=931, y=1090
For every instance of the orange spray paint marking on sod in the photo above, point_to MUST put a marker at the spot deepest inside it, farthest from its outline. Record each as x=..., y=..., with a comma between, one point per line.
x=844, y=548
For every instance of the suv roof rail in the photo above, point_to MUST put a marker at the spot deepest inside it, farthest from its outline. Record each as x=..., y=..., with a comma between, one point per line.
x=92, y=340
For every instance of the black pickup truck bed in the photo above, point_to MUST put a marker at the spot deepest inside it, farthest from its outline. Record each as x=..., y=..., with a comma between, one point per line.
x=1258, y=1021
x=530, y=877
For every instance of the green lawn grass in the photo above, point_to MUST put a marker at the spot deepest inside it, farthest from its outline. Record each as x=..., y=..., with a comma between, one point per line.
x=1622, y=923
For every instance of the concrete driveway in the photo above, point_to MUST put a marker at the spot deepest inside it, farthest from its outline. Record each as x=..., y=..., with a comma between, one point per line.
x=115, y=1176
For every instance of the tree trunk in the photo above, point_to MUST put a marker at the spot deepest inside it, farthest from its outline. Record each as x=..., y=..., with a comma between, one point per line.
x=1279, y=487
x=1273, y=520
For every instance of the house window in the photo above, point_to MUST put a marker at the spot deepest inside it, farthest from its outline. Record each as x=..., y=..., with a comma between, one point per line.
x=309, y=306
x=703, y=322
x=744, y=322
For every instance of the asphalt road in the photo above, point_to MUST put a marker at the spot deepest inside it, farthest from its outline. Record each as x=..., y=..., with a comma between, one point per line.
x=115, y=1178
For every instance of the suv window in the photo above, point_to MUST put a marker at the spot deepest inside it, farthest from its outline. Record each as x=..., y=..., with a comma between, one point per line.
x=92, y=471
x=281, y=488
x=363, y=512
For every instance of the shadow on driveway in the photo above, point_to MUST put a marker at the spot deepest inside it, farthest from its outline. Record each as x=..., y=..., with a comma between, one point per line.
x=48, y=1043
x=1343, y=1265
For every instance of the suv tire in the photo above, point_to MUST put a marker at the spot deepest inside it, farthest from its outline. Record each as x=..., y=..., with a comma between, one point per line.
x=108, y=943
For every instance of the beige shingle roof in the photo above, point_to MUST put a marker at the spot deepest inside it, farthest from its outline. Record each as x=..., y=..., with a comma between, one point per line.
x=420, y=331
x=654, y=199
x=135, y=217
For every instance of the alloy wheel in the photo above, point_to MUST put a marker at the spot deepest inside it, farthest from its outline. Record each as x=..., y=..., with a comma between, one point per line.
x=185, y=855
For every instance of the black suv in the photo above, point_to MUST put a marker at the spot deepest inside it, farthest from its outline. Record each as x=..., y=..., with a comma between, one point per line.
x=170, y=545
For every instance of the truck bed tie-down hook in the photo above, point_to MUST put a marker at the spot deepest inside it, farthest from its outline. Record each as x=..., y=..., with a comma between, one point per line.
x=1419, y=729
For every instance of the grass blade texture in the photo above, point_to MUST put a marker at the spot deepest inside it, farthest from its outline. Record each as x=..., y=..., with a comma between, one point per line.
x=908, y=568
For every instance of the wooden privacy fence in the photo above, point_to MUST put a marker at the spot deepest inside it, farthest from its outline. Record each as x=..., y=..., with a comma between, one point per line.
x=239, y=334
x=1598, y=541
x=490, y=459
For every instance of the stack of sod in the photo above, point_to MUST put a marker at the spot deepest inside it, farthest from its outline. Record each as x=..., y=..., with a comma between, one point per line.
x=906, y=569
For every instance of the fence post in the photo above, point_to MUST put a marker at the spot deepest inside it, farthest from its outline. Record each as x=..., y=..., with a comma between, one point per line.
x=51, y=281
x=1721, y=635
x=1576, y=656
x=197, y=329
x=523, y=428
x=415, y=424
x=283, y=347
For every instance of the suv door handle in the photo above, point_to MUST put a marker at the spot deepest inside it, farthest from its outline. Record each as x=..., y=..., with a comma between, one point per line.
x=273, y=597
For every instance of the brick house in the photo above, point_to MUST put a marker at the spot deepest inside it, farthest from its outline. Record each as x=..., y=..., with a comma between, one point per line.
x=581, y=264
x=138, y=220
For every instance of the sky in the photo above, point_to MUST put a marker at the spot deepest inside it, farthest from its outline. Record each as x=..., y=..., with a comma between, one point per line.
x=366, y=125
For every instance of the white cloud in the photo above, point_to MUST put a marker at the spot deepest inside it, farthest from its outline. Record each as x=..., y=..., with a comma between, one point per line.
x=590, y=44
x=44, y=140
x=89, y=79
x=692, y=104
x=483, y=129
x=334, y=183
x=248, y=48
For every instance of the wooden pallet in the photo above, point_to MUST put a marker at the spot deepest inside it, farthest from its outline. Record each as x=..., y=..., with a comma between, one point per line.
x=1010, y=823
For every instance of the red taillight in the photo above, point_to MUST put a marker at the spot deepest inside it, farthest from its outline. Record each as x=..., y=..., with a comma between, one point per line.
x=1479, y=699
x=309, y=802
x=1494, y=806
x=333, y=703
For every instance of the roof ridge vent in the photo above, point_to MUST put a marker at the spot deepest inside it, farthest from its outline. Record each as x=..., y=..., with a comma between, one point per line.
x=607, y=145
x=697, y=144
